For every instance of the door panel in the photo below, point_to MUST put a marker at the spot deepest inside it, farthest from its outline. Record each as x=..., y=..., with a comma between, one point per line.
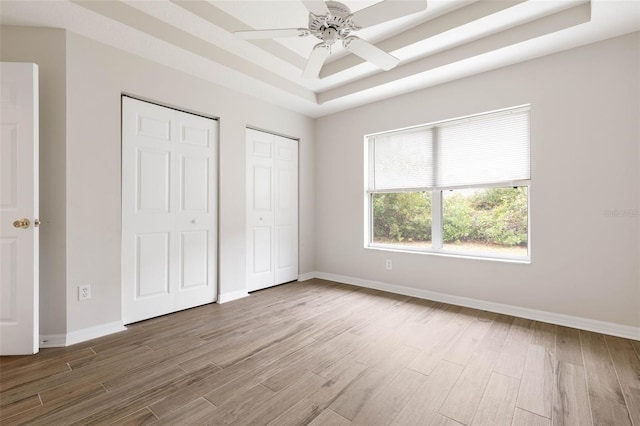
x=262, y=202
x=262, y=251
x=9, y=283
x=259, y=210
x=9, y=166
x=19, y=292
x=195, y=188
x=193, y=259
x=152, y=182
x=172, y=156
x=272, y=210
x=197, y=217
x=287, y=150
x=286, y=210
x=194, y=131
x=147, y=167
x=286, y=190
x=152, y=265
x=154, y=125
x=261, y=146
x=259, y=262
x=285, y=253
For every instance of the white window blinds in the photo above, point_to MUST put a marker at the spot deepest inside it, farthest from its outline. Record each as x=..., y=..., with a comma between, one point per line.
x=403, y=160
x=484, y=150
x=481, y=150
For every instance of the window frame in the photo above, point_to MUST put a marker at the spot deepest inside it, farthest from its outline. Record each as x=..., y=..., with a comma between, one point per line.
x=437, y=246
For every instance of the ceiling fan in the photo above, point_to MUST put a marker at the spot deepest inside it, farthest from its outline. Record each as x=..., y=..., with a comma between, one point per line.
x=331, y=21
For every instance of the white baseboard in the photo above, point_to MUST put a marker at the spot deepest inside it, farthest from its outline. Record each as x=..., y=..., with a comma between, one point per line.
x=307, y=276
x=94, y=332
x=613, y=329
x=234, y=295
x=78, y=336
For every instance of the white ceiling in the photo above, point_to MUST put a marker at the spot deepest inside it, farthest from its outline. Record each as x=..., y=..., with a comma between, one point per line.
x=449, y=40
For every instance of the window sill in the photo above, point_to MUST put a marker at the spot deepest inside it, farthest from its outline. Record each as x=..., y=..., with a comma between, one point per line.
x=452, y=254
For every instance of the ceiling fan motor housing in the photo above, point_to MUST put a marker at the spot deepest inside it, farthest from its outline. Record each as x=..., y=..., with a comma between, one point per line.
x=332, y=26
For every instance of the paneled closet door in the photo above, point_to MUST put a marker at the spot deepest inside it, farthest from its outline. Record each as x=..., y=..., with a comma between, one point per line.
x=168, y=210
x=286, y=210
x=272, y=210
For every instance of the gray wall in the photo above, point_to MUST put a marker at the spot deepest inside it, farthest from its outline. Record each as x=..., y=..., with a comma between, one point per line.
x=585, y=161
x=96, y=75
x=585, y=141
x=46, y=47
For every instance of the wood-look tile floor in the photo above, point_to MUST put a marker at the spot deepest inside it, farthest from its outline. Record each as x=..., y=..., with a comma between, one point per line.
x=322, y=353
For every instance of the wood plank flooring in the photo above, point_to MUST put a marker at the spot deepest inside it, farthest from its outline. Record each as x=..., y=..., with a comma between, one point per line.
x=323, y=353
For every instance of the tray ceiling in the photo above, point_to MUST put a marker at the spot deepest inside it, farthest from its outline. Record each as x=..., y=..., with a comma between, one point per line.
x=449, y=40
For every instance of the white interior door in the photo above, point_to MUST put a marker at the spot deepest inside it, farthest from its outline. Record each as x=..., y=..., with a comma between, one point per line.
x=286, y=210
x=196, y=227
x=260, y=217
x=169, y=210
x=272, y=210
x=19, y=328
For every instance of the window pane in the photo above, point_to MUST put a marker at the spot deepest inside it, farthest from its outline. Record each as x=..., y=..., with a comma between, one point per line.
x=486, y=220
x=402, y=218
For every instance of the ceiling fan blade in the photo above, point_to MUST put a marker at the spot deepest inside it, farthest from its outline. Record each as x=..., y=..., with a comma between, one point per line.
x=317, y=7
x=387, y=10
x=371, y=53
x=316, y=60
x=260, y=34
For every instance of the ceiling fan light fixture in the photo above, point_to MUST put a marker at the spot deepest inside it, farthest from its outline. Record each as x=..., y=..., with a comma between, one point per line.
x=329, y=35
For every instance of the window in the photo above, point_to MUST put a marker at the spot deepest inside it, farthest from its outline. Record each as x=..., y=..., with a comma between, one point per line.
x=455, y=187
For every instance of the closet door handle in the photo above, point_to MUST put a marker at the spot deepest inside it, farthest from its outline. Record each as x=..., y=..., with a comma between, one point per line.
x=22, y=223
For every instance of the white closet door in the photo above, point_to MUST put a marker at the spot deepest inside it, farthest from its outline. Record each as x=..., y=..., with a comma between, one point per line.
x=272, y=210
x=286, y=210
x=196, y=211
x=260, y=217
x=168, y=210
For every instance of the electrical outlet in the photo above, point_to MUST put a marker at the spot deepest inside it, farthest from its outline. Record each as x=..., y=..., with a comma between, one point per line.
x=84, y=292
x=389, y=264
